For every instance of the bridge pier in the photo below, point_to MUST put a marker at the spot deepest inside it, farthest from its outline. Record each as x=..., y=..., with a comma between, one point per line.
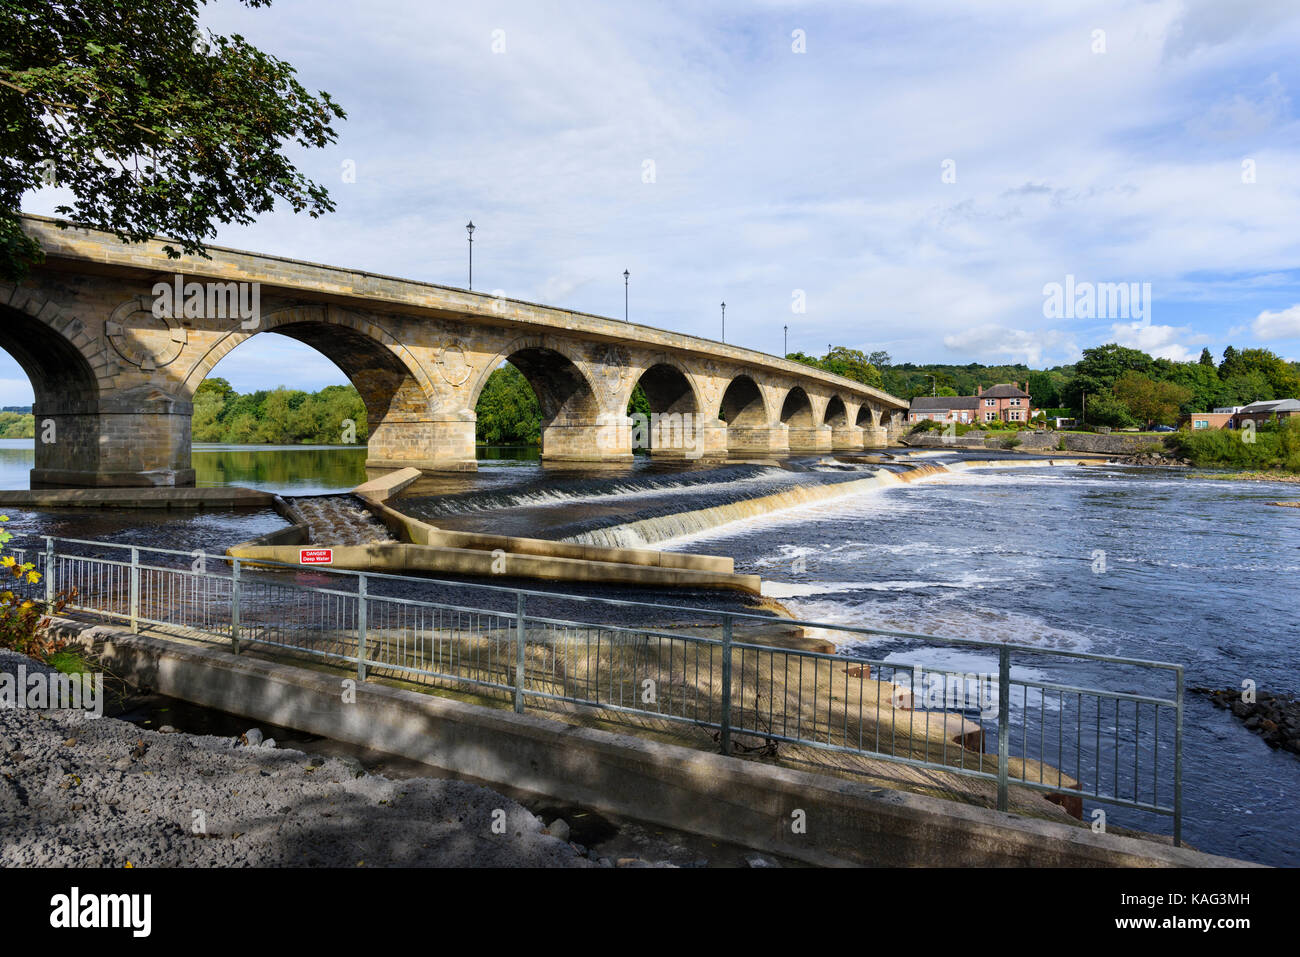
x=606, y=441
x=432, y=444
x=874, y=437
x=817, y=438
x=746, y=441
x=117, y=444
x=846, y=438
x=689, y=438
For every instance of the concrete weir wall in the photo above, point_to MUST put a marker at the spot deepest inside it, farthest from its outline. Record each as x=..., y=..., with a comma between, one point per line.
x=425, y=548
x=727, y=799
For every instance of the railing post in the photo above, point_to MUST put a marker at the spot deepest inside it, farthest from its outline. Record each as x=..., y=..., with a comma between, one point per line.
x=521, y=637
x=725, y=720
x=1004, y=723
x=1178, y=764
x=49, y=572
x=234, y=607
x=361, y=627
x=135, y=590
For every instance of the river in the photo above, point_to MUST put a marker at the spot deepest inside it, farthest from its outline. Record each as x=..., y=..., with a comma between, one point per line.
x=1192, y=570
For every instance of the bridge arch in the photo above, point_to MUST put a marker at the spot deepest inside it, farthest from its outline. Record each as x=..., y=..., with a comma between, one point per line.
x=743, y=404
x=676, y=428
x=398, y=394
x=797, y=410
x=837, y=414
x=66, y=373
x=573, y=426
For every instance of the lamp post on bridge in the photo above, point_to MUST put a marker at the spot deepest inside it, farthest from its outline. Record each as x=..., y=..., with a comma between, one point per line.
x=625, y=276
x=470, y=229
x=724, y=322
x=785, y=341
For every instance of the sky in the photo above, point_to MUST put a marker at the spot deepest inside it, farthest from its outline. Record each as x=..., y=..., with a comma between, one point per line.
x=899, y=176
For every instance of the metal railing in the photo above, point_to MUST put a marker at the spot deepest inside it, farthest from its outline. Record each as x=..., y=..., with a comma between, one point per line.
x=1070, y=741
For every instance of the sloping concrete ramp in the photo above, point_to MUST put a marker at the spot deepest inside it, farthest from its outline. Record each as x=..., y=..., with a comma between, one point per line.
x=422, y=547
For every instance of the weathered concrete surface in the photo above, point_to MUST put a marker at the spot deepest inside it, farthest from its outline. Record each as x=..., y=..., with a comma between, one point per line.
x=384, y=487
x=425, y=547
x=228, y=497
x=115, y=379
x=400, y=557
x=724, y=798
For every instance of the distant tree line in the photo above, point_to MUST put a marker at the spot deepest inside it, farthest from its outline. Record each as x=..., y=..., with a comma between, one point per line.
x=334, y=415
x=1120, y=387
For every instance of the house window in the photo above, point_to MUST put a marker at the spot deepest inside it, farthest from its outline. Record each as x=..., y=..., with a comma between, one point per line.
x=990, y=416
x=1015, y=416
x=1015, y=401
x=990, y=402
x=1202, y=424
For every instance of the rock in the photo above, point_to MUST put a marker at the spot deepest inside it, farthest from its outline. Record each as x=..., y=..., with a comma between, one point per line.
x=6, y=745
x=167, y=729
x=252, y=737
x=758, y=860
x=559, y=829
x=353, y=765
x=269, y=743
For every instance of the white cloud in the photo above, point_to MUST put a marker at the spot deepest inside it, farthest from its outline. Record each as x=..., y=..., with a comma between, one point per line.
x=1014, y=345
x=819, y=171
x=1278, y=325
x=1159, y=341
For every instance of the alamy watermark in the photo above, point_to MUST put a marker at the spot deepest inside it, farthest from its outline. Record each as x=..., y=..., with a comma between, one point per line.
x=209, y=300
x=52, y=691
x=658, y=431
x=1097, y=300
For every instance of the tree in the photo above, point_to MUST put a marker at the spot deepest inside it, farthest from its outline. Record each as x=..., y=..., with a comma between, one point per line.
x=850, y=363
x=1097, y=371
x=1149, y=401
x=1207, y=359
x=155, y=126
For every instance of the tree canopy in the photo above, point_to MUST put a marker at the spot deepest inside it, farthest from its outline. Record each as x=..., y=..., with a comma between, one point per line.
x=155, y=126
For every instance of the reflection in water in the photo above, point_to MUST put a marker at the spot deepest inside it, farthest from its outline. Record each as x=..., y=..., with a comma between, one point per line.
x=287, y=469
x=291, y=469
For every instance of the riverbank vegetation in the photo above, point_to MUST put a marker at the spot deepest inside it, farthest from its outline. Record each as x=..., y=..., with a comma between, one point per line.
x=1115, y=386
x=1270, y=447
x=333, y=416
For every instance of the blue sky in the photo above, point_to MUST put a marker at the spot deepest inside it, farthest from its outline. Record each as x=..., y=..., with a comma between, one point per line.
x=776, y=171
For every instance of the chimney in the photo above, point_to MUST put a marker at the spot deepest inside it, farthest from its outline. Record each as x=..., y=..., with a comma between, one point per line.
x=979, y=390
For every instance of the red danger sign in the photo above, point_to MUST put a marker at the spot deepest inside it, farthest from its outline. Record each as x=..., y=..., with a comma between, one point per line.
x=315, y=556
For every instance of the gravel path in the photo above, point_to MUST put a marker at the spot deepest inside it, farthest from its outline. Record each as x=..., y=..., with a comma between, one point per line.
x=78, y=791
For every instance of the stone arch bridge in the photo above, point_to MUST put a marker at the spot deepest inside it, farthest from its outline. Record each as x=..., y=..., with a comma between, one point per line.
x=114, y=373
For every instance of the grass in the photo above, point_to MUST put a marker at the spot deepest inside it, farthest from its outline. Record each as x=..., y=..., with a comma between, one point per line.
x=69, y=663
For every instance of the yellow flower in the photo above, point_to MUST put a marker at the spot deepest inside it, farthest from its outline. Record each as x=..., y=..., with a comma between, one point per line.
x=8, y=561
x=26, y=604
x=33, y=577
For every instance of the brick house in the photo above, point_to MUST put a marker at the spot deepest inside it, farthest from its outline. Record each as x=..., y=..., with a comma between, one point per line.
x=943, y=408
x=1276, y=410
x=1005, y=403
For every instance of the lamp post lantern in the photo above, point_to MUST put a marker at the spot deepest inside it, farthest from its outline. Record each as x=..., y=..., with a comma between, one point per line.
x=625, y=275
x=470, y=229
x=785, y=341
x=724, y=322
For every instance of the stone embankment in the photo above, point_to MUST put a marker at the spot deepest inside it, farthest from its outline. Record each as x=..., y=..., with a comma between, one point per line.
x=1275, y=718
x=1115, y=443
